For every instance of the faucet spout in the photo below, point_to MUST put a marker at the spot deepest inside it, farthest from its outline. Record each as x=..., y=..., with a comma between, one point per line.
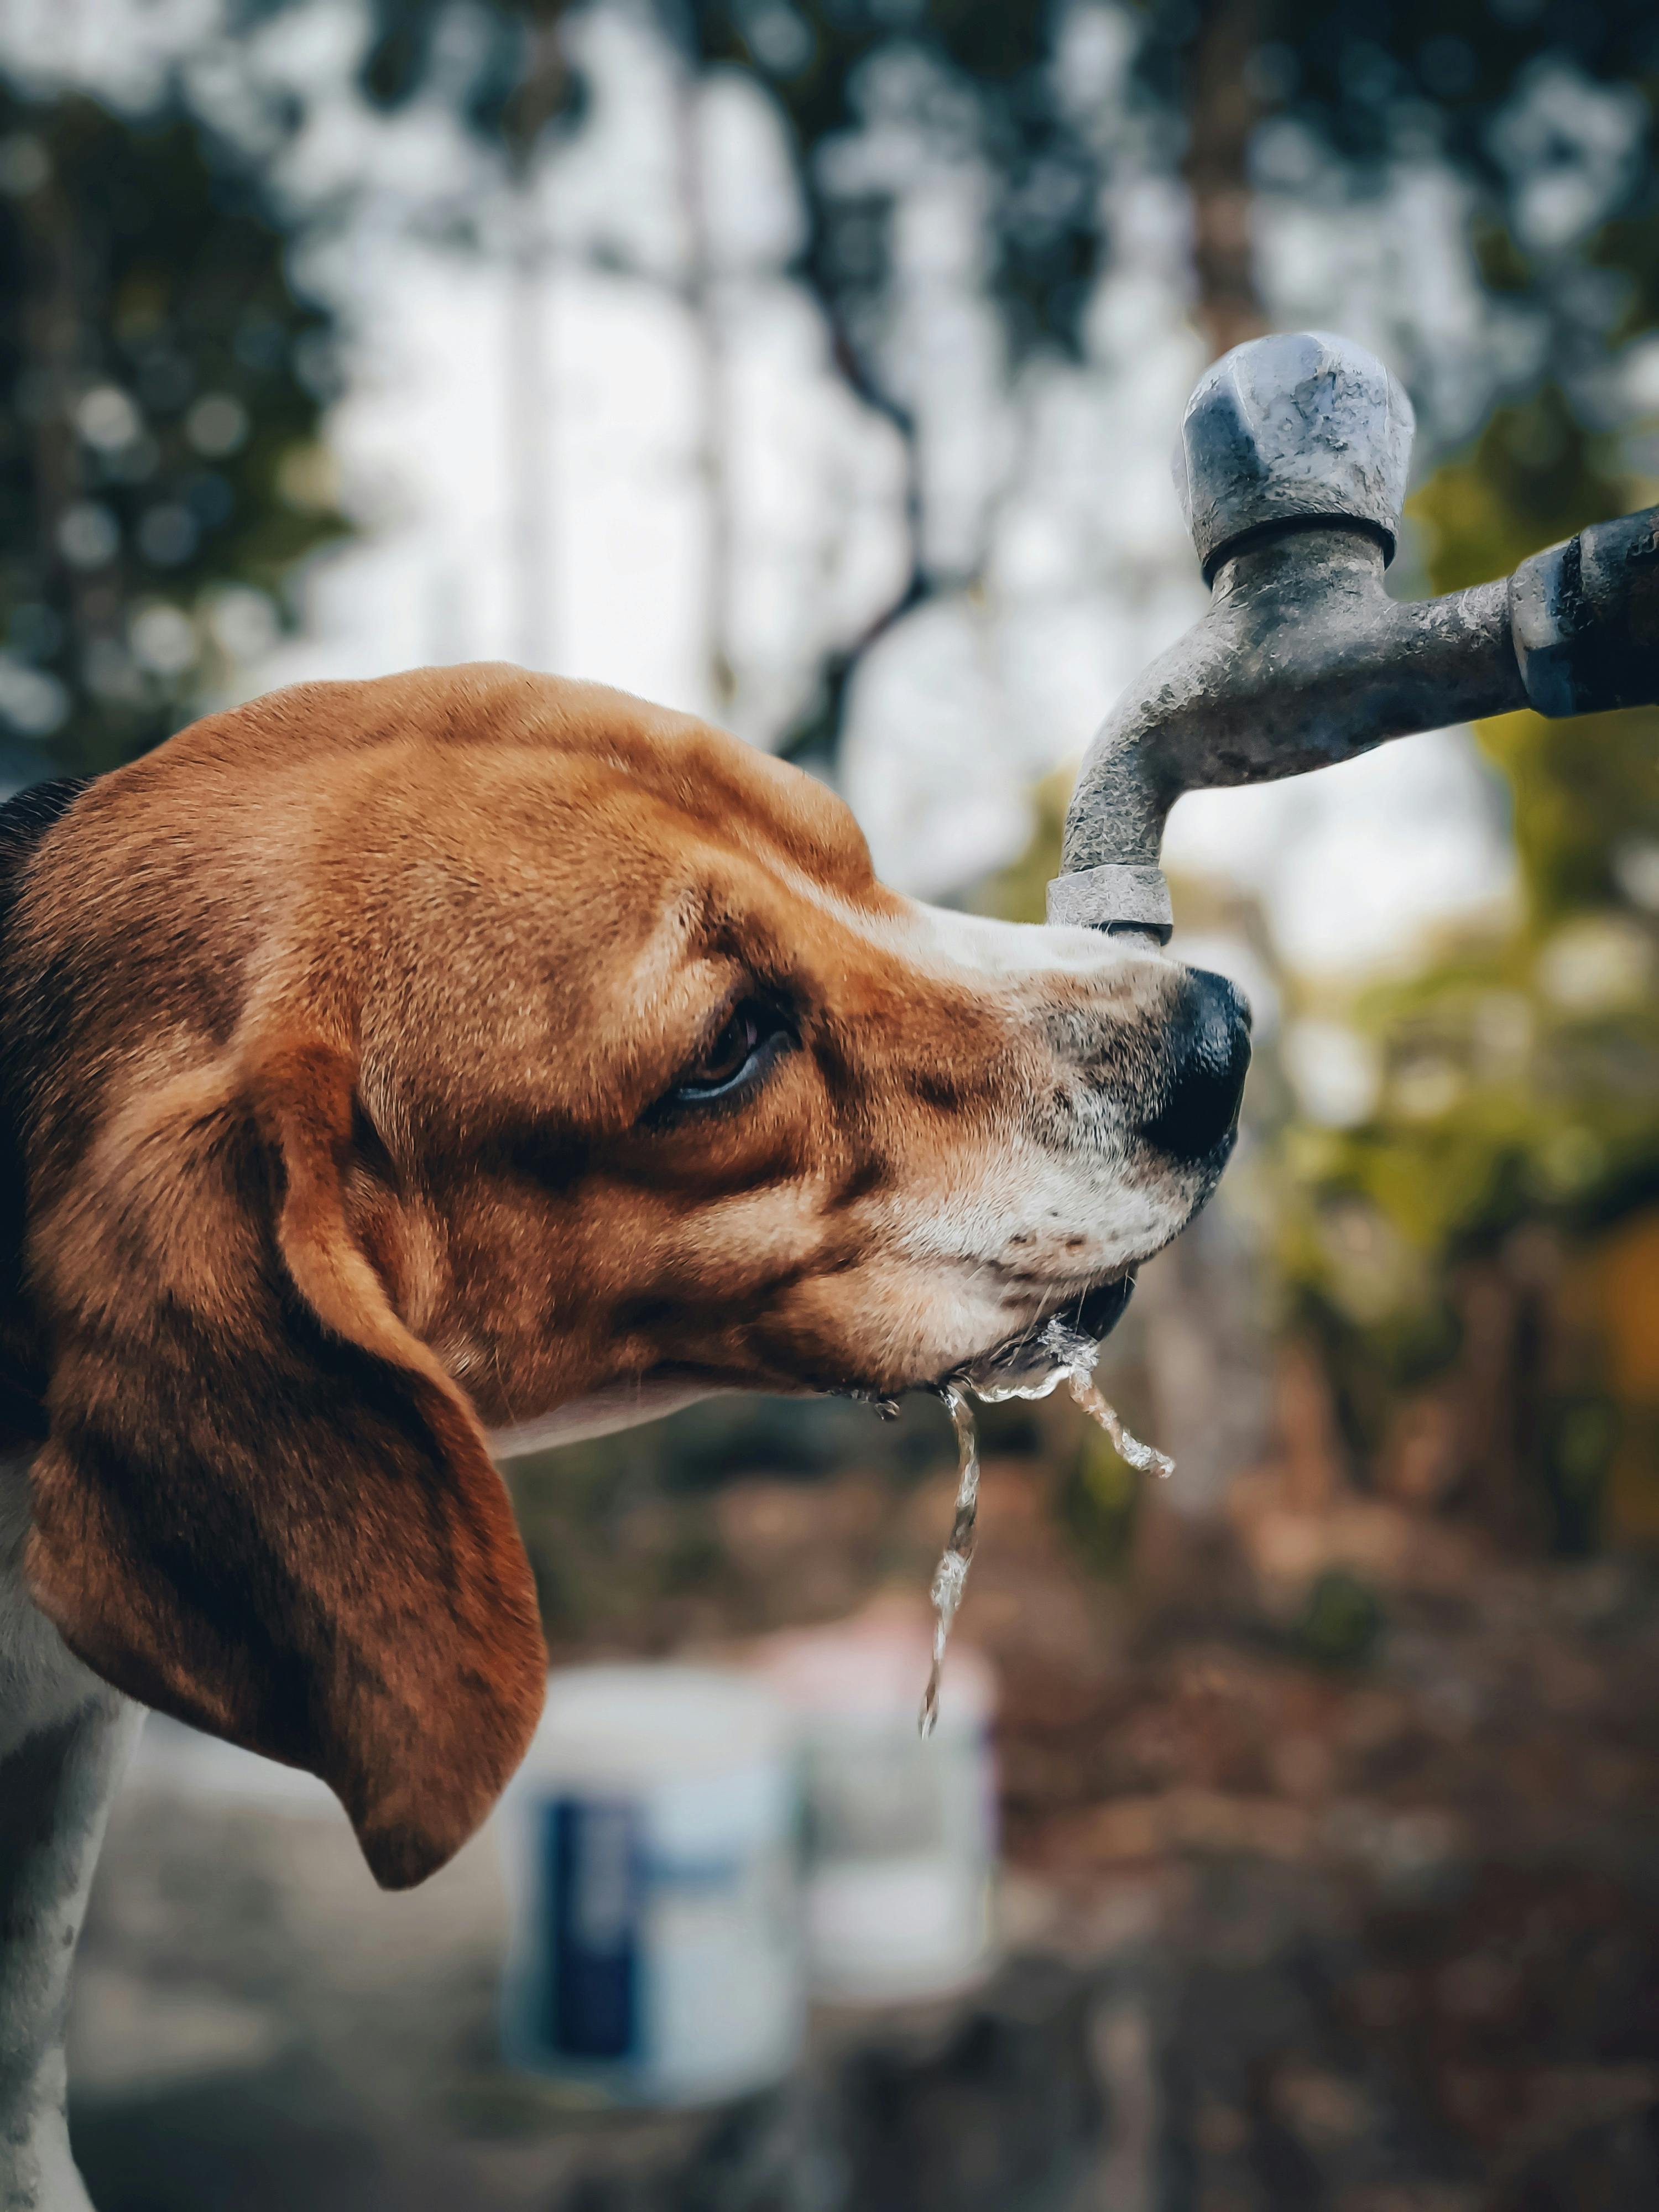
x=1292, y=464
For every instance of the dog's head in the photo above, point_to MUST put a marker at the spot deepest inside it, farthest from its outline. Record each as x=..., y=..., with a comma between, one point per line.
x=471, y=1051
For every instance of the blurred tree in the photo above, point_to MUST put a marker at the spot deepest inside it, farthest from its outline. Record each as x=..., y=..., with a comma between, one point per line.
x=1542, y=102
x=980, y=85
x=1586, y=792
x=541, y=90
x=160, y=466
x=1546, y=107
x=1008, y=109
x=1449, y=70
x=1223, y=108
x=988, y=91
x=1448, y=1251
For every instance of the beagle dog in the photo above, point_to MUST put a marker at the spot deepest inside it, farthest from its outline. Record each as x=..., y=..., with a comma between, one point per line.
x=397, y=1072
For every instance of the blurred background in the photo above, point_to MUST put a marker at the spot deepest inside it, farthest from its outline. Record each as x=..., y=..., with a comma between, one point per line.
x=814, y=364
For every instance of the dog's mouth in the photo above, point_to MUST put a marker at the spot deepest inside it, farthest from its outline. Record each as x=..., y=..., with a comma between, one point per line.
x=1028, y=1364
x=1098, y=1312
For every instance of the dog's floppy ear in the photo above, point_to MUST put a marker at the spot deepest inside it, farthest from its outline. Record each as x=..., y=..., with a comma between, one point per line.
x=264, y=1506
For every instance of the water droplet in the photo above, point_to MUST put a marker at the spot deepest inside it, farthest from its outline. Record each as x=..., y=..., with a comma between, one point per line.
x=952, y=1570
x=1056, y=1353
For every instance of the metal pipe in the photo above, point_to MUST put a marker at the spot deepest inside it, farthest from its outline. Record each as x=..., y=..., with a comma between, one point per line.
x=1291, y=468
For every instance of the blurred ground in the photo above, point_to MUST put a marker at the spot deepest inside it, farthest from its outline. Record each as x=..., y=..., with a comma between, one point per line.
x=1332, y=1886
x=255, y=2025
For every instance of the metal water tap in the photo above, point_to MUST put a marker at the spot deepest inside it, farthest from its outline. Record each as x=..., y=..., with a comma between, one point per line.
x=1291, y=471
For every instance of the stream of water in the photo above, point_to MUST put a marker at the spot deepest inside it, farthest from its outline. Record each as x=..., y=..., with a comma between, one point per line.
x=1057, y=1354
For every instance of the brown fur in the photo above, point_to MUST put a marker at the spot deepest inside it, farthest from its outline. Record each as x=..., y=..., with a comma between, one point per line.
x=348, y=1016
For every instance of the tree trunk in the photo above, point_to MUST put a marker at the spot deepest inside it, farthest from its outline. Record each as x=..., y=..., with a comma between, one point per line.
x=704, y=305
x=539, y=96
x=1221, y=112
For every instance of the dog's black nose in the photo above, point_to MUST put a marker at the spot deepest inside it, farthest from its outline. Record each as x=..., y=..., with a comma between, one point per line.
x=1209, y=1052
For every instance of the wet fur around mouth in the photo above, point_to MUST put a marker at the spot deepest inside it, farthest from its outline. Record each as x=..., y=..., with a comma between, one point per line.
x=1098, y=1312
x=1094, y=1314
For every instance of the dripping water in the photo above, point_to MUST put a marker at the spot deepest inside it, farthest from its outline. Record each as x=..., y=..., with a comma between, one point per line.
x=957, y=1555
x=1058, y=1353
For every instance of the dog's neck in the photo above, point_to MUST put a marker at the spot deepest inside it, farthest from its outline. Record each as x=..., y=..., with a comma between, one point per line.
x=64, y=1737
x=25, y=819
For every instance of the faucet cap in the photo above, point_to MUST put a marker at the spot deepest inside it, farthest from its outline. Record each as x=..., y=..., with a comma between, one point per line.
x=1301, y=425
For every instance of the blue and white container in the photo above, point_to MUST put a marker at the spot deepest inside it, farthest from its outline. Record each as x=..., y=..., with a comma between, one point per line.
x=652, y=1841
x=901, y=1834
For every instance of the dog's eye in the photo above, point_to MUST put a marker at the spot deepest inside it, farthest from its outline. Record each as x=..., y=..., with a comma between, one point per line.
x=740, y=1050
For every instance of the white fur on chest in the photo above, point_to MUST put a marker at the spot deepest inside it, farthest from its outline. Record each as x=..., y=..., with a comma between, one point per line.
x=42, y=1683
x=64, y=1739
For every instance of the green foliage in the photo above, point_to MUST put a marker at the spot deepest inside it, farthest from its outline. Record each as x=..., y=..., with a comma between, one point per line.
x=1533, y=477
x=1020, y=891
x=1548, y=111
x=1100, y=1502
x=1583, y=1431
x=159, y=468
x=1586, y=791
x=1341, y=1622
x=992, y=94
x=1517, y=1073
x=1521, y=1076
x=1361, y=73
